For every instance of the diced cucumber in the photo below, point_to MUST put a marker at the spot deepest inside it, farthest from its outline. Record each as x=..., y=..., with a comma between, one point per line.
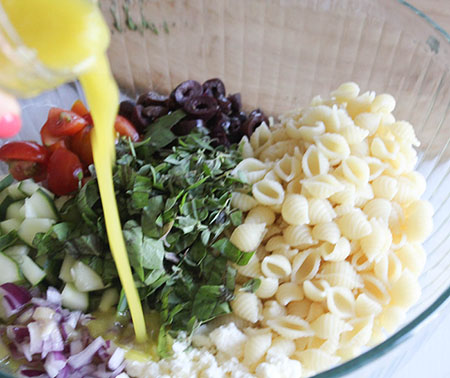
x=40, y=205
x=28, y=187
x=64, y=273
x=85, y=278
x=10, y=225
x=4, y=352
x=9, y=270
x=6, y=181
x=3, y=195
x=32, y=272
x=60, y=201
x=17, y=252
x=32, y=226
x=74, y=299
x=110, y=297
x=14, y=191
x=4, y=206
x=14, y=211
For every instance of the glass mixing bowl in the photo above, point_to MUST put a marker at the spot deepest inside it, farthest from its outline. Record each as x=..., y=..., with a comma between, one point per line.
x=280, y=53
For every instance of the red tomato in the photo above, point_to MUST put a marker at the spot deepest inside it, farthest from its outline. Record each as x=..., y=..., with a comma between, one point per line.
x=47, y=138
x=62, y=143
x=64, y=172
x=79, y=108
x=27, y=151
x=22, y=170
x=64, y=122
x=126, y=128
x=80, y=143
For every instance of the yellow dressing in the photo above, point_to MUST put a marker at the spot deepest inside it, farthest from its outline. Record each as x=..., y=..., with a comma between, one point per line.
x=71, y=34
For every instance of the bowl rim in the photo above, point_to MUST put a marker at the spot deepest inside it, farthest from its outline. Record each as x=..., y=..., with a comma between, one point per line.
x=405, y=332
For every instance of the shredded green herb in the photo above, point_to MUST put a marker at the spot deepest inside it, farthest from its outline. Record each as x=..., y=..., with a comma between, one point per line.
x=174, y=198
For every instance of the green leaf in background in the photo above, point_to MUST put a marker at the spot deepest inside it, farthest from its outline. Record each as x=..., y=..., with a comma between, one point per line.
x=141, y=191
x=225, y=247
x=149, y=215
x=208, y=303
x=251, y=285
x=159, y=133
x=8, y=240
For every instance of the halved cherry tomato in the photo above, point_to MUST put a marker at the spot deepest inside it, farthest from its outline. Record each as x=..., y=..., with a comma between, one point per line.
x=47, y=138
x=22, y=170
x=27, y=151
x=79, y=108
x=80, y=143
x=62, y=122
x=62, y=143
x=64, y=172
x=126, y=128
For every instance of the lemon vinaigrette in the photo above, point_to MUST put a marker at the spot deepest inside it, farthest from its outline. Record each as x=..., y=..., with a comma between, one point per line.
x=71, y=35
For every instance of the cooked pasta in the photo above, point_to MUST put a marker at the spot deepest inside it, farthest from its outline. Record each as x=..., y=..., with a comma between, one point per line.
x=295, y=209
x=337, y=223
x=268, y=192
x=248, y=236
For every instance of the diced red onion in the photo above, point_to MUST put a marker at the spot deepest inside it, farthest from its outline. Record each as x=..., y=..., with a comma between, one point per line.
x=54, y=363
x=53, y=296
x=119, y=369
x=35, y=337
x=76, y=347
x=17, y=334
x=85, y=356
x=73, y=318
x=33, y=373
x=25, y=316
x=116, y=359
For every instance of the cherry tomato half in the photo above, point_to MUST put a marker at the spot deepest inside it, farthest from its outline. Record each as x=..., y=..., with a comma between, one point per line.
x=64, y=172
x=22, y=170
x=79, y=108
x=126, y=128
x=27, y=151
x=80, y=143
x=64, y=122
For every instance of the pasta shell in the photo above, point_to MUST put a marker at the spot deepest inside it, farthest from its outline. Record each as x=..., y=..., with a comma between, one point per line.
x=298, y=236
x=253, y=169
x=322, y=113
x=377, y=243
x=383, y=103
x=360, y=104
x=277, y=150
x=328, y=232
x=356, y=170
x=289, y=292
x=305, y=265
x=360, y=333
x=261, y=214
x=287, y=168
x=295, y=209
x=242, y=201
x=248, y=236
x=276, y=266
x=353, y=134
x=369, y=122
x=314, y=162
x=418, y=221
x=404, y=133
x=388, y=268
x=376, y=167
x=320, y=211
x=329, y=326
x=366, y=306
x=322, y=186
x=333, y=146
x=412, y=257
x=256, y=347
x=341, y=302
x=268, y=192
x=261, y=137
x=273, y=310
x=378, y=208
x=407, y=191
x=246, y=148
x=346, y=91
x=316, y=359
x=337, y=252
x=375, y=289
x=405, y=291
x=291, y=327
x=354, y=225
x=247, y=306
x=267, y=288
x=283, y=347
x=384, y=149
x=391, y=318
x=251, y=269
x=297, y=130
x=315, y=290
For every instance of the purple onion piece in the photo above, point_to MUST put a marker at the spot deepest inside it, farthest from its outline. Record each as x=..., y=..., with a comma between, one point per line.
x=185, y=91
x=153, y=98
x=54, y=363
x=32, y=373
x=18, y=295
x=214, y=87
x=185, y=126
x=53, y=296
x=126, y=109
x=154, y=111
x=17, y=334
x=116, y=359
x=85, y=356
x=255, y=118
x=202, y=107
x=236, y=102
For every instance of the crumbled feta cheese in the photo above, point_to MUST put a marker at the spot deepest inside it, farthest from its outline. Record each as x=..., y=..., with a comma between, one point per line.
x=229, y=339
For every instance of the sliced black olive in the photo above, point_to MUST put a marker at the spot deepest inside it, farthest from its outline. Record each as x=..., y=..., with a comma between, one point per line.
x=203, y=107
x=126, y=109
x=214, y=87
x=234, y=131
x=224, y=104
x=155, y=111
x=138, y=119
x=236, y=102
x=153, y=98
x=185, y=91
x=184, y=127
x=255, y=118
x=219, y=136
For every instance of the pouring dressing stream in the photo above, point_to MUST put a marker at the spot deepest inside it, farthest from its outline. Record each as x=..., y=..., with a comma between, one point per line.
x=72, y=35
